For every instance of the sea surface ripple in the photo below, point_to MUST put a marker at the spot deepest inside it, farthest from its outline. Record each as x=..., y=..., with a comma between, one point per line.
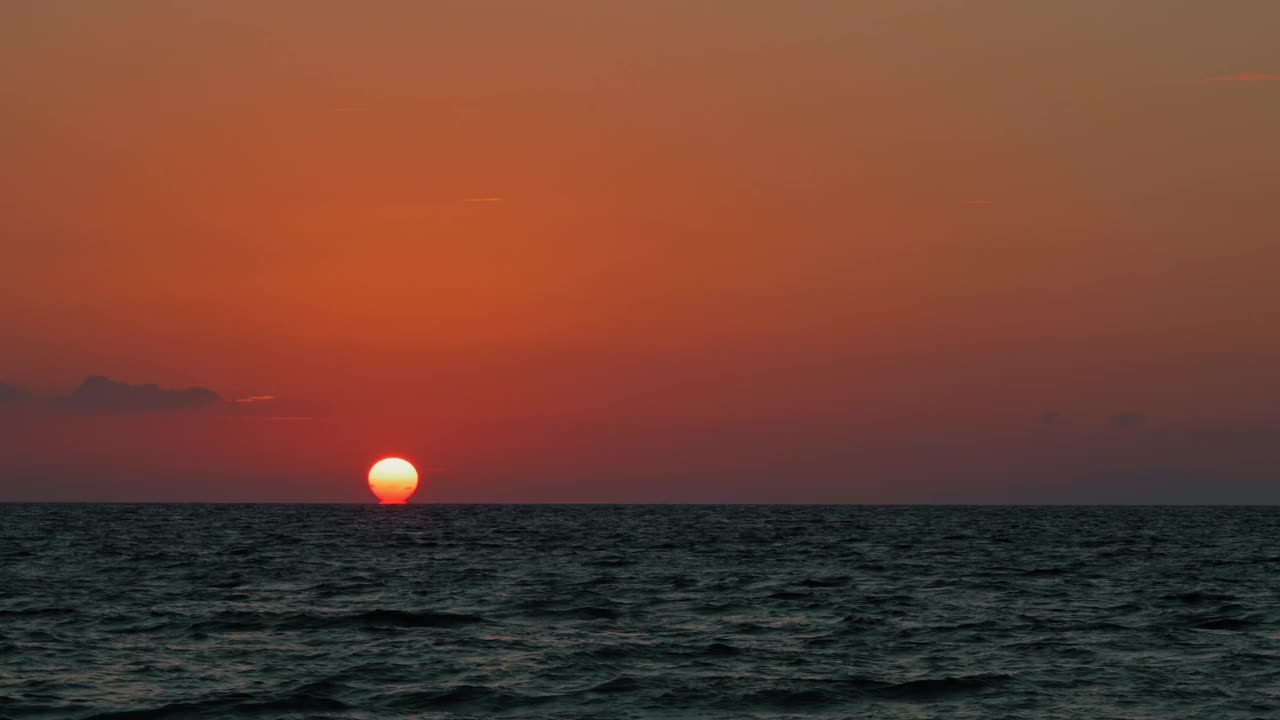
x=455, y=611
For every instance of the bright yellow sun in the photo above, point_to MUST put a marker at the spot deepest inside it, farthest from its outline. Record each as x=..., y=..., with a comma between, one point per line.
x=393, y=480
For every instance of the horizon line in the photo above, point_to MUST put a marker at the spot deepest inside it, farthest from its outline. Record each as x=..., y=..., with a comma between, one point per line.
x=652, y=504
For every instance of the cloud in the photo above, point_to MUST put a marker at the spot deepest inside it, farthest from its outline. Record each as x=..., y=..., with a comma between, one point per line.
x=483, y=200
x=1126, y=421
x=11, y=394
x=979, y=202
x=255, y=398
x=1245, y=77
x=1053, y=417
x=102, y=394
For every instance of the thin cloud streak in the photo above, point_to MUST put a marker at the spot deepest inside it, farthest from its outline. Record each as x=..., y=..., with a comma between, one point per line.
x=1245, y=77
x=255, y=398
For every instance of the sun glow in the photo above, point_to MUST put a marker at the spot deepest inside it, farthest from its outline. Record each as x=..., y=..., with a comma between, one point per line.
x=393, y=480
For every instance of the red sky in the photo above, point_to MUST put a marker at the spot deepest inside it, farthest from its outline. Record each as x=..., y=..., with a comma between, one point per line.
x=832, y=251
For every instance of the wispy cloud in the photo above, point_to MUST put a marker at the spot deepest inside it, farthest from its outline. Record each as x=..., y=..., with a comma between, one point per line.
x=979, y=202
x=483, y=199
x=290, y=418
x=102, y=394
x=255, y=398
x=1245, y=77
x=11, y=394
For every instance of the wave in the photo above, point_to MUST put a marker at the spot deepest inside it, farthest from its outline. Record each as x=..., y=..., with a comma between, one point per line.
x=242, y=621
x=787, y=699
x=721, y=650
x=406, y=618
x=824, y=582
x=469, y=698
x=1198, y=597
x=312, y=697
x=940, y=688
x=865, y=689
x=1045, y=572
x=622, y=683
x=1225, y=623
x=507, y=616
x=38, y=612
x=586, y=612
x=175, y=709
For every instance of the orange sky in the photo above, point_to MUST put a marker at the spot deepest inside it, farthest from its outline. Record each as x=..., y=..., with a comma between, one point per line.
x=649, y=251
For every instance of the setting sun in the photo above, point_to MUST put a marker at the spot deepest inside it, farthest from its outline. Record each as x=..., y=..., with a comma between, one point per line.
x=393, y=480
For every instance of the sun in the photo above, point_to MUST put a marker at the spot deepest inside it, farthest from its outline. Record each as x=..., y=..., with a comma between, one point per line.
x=393, y=480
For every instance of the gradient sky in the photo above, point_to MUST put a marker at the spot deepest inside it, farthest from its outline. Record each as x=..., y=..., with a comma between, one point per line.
x=659, y=251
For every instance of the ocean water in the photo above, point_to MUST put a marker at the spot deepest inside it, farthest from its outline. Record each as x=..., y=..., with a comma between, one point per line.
x=264, y=611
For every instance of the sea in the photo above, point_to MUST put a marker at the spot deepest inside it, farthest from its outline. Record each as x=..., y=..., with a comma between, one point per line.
x=634, y=611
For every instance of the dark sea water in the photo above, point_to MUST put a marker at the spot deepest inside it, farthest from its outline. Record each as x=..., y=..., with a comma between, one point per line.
x=175, y=611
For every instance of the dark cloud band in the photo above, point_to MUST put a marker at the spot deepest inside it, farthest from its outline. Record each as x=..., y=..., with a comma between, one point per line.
x=102, y=394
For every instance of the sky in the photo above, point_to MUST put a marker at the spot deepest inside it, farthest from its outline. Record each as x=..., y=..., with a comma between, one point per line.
x=661, y=251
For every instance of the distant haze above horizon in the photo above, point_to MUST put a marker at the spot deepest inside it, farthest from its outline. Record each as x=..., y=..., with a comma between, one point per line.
x=830, y=251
